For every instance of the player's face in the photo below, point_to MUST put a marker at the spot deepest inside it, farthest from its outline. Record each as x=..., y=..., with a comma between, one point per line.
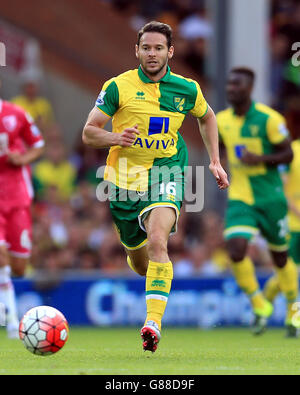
x=30, y=89
x=238, y=88
x=153, y=52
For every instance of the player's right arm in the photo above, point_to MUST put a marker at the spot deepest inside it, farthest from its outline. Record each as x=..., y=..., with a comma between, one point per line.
x=33, y=139
x=95, y=136
x=107, y=104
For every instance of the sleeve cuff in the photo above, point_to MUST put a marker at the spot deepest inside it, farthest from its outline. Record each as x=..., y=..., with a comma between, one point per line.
x=103, y=112
x=202, y=116
x=38, y=144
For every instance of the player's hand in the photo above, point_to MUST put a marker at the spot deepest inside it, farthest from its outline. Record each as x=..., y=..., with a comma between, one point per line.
x=219, y=174
x=128, y=136
x=15, y=158
x=250, y=159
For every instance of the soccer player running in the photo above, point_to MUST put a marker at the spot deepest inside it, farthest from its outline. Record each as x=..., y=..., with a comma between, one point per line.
x=148, y=106
x=256, y=141
x=292, y=191
x=291, y=177
x=20, y=144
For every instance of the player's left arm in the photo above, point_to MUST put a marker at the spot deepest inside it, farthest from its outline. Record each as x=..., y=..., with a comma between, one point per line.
x=34, y=141
x=283, y=155
x=208, y=127
x=31, y=155
x=279, y=136
x=209, y=131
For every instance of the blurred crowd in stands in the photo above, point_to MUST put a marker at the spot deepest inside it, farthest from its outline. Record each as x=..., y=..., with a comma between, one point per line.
x=285, y=57
x=189, y=20
x=72, y=229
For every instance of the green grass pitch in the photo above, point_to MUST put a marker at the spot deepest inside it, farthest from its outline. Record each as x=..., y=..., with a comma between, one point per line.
x=118, y=351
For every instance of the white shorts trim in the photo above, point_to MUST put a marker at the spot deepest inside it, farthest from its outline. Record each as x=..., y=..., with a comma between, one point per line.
x=155, y=205
x=27, y=181
x=23, y=255
x=39, y=144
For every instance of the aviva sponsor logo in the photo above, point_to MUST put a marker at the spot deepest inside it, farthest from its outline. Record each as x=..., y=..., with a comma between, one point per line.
x=158, y=283
x=153, y=144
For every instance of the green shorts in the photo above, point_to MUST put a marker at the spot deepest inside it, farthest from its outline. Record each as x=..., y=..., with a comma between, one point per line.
x=166, y=184
x=295, y=247
x=245, y=221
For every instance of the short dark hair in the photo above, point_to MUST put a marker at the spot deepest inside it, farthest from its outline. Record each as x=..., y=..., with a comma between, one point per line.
x=156, y=27
x=245, y=71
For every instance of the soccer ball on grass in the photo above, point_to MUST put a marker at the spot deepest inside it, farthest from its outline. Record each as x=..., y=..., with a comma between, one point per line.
x=43, y=330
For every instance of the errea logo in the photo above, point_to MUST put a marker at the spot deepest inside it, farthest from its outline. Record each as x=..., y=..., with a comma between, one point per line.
x=158, y=283
x=140, y=95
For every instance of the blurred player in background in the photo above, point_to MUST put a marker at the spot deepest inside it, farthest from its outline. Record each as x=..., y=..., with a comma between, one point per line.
x=256, y=141
x=148, y=106
x=291, y=177
x=20, y=144
x=37, y=106
x=292, y=190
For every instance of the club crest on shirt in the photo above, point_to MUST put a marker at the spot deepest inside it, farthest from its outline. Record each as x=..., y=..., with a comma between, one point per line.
x=254, y=130
x=179, y=103
x=9, y=122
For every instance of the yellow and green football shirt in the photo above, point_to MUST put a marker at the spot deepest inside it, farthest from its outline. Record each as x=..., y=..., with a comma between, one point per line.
x=259, y=131
x=292, y=188
x=159, y=109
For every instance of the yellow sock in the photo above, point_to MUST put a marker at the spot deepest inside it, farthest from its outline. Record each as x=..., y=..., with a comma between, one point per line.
x=290, y=313
x=288, y=282
x=130, y=264
x=272, y=288
x=158, y=285
x=244, y=273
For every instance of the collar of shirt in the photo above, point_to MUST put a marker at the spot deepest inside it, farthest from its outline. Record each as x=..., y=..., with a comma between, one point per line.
x=249, y=113
x=147, y=80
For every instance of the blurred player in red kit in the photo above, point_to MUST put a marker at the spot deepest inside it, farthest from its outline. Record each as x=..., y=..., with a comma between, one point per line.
x=21, y=143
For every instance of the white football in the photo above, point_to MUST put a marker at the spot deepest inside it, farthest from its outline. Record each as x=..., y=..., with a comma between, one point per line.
x=44, y=330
